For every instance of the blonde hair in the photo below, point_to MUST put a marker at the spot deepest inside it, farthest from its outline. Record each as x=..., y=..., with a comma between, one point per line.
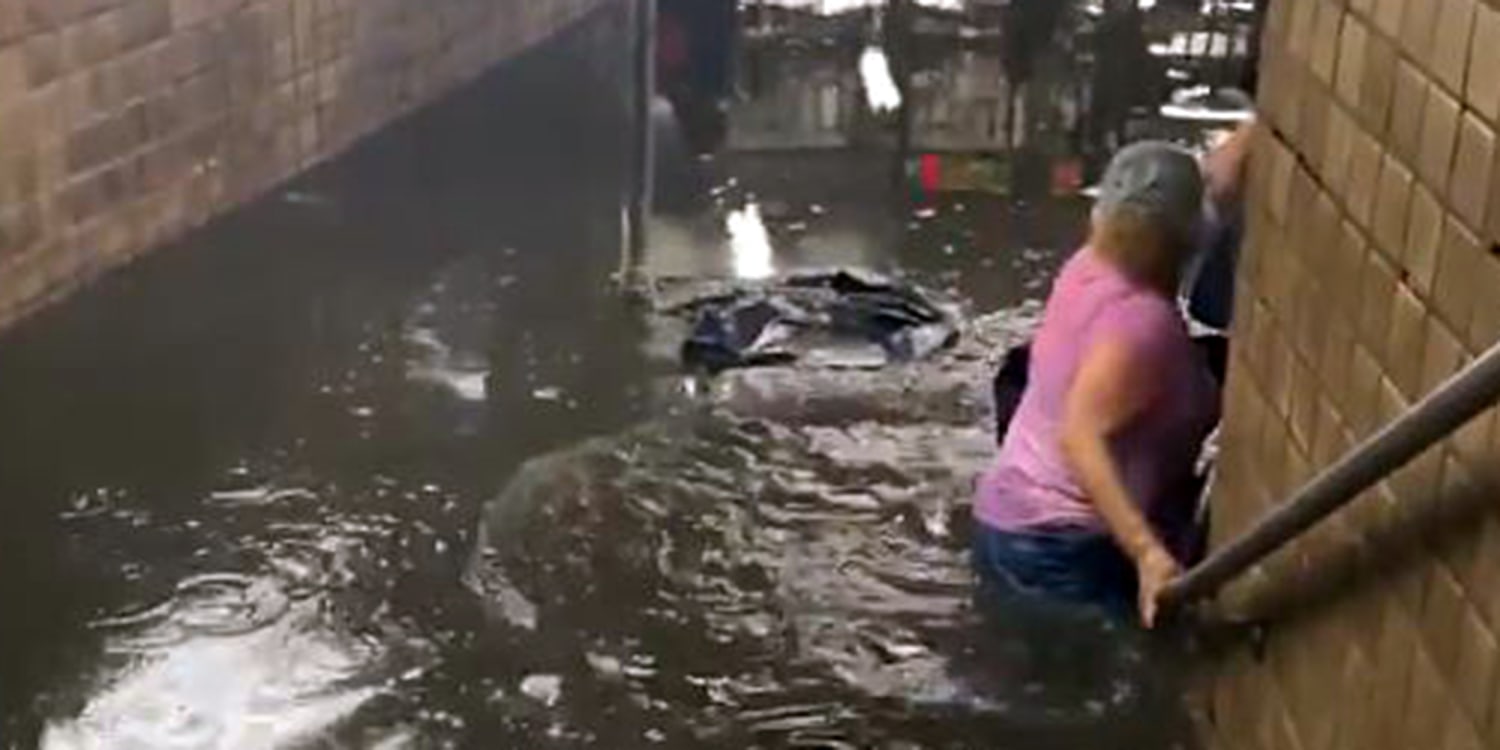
x=1144, y=248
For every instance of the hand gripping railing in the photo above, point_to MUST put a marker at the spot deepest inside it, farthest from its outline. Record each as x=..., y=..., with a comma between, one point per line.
x=1435, y=417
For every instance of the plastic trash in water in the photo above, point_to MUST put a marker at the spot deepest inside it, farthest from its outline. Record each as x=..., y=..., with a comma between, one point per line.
x=543, y=688
x=825, y=318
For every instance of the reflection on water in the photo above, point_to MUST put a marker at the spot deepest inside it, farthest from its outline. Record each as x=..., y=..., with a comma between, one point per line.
x=749, y=243
x=227, y=662
x=784, y=564
x=255, y=461
x=391, y=463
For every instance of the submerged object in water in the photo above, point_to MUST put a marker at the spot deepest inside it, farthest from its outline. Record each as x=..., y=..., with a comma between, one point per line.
x=838, y=318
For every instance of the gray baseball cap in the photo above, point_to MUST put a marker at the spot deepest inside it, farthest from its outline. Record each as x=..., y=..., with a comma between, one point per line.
x=1157, y=181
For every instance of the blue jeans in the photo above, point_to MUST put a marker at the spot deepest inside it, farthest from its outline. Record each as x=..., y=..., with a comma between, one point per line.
x=1055, y=567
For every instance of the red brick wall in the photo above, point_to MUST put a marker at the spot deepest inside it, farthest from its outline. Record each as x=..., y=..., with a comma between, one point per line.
x=1370, y=274
x=125, y=122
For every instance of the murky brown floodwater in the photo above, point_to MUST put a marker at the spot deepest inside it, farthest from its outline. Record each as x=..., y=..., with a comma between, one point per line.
x=386, y=460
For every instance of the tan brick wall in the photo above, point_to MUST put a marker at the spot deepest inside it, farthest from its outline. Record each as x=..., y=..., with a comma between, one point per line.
x=125, y=122
x=1370, y=274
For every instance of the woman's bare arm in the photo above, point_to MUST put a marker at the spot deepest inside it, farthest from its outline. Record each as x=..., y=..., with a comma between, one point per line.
x=1111, y=388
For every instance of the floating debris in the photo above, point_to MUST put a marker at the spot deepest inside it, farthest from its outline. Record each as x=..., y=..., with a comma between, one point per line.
x=543, y=688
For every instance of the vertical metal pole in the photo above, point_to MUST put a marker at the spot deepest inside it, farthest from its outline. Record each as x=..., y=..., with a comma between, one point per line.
x=643, y=151
x=898, y=48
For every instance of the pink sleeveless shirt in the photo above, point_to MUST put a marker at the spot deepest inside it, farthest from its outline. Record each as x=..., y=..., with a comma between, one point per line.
x=1031, y=484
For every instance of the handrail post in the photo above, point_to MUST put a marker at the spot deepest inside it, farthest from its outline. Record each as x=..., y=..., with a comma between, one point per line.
x=1438, y=415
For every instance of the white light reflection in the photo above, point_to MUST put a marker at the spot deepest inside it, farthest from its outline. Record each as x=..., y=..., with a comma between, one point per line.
x=285, y=685
x=1192, y=113
x=836, y=7
x=750, y=243
x=1096, y=8
x=881, y=91
x=1204, y=104
x=440, y=366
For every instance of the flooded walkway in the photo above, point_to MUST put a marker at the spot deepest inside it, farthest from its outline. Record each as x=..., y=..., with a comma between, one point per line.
x=388, y=460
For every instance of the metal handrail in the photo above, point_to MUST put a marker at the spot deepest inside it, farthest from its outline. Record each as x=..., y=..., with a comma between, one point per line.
x=1438, y=415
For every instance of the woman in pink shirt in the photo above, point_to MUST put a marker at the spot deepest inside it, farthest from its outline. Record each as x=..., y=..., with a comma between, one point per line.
x=1118, y=401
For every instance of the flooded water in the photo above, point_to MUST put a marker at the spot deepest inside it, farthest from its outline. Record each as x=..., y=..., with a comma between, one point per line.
x=389, y=460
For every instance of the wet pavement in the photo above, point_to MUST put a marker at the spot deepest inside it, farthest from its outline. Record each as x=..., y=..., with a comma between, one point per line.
x=389, y=459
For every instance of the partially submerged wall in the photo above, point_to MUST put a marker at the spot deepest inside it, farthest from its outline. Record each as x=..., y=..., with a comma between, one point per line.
x=125, y=122
x=1370, y=275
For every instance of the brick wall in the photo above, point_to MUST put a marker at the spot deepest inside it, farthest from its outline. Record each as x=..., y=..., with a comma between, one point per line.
x=126, y=122
x=1370, y=275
